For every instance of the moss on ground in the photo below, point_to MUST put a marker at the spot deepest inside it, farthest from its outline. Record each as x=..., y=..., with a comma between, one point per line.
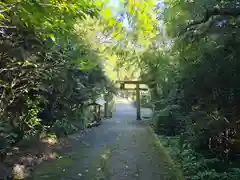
x=99, y=169
x=53, y=169
x=174, y=173
x=58, y=168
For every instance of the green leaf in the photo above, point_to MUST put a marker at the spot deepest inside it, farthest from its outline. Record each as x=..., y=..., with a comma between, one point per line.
x=106, y=13
x=2, y=16
x=52, y=37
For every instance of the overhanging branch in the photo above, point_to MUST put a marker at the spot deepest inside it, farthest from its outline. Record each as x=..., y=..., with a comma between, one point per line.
x=234, y=12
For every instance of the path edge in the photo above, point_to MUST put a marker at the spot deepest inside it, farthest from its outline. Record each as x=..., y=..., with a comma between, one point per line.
x=174, y=172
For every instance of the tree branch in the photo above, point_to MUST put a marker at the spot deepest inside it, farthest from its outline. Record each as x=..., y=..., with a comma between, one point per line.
x=8, y=27
x=216, y=12
x=48, y=5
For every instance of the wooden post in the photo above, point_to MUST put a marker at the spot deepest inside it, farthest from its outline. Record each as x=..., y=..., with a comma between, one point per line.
x=138, y=102
x=106, y=106
x=95, y=113
x=99, y=113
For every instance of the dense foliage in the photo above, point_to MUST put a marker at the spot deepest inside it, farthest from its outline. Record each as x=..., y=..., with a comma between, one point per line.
x=48, y=71
x=194, y=81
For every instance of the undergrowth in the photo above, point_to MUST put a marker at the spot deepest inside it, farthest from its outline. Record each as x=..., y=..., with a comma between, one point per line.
x=197, y=167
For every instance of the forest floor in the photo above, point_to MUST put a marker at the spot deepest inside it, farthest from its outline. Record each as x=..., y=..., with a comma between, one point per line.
x=121, y=148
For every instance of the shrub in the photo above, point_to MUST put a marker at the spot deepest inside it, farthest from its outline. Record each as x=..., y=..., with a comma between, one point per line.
x=197, y=167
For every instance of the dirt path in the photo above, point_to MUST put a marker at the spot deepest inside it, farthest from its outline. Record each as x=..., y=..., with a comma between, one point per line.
x=121, y=148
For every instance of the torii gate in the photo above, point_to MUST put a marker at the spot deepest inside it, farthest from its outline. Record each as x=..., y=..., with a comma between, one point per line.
x=138, y=89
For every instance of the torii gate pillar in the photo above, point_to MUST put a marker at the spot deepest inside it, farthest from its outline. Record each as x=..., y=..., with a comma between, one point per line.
x=138, y=102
